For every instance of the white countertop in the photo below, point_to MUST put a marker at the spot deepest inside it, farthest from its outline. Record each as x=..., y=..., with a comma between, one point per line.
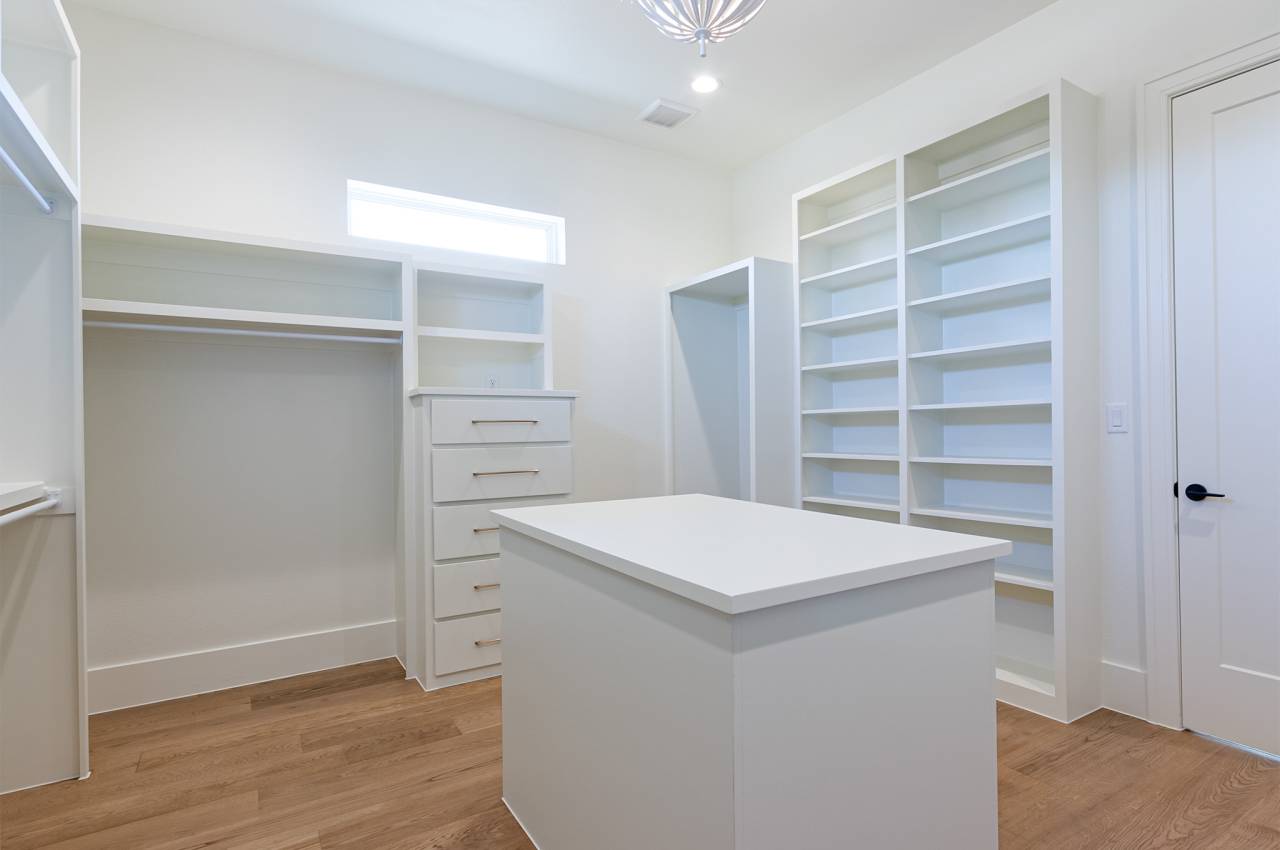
x=737, y=556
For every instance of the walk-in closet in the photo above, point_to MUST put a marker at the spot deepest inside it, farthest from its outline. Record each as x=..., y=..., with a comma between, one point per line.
x=645, y=424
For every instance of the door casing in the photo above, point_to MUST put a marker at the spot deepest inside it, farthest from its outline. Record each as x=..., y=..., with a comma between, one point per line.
x=1157, y=426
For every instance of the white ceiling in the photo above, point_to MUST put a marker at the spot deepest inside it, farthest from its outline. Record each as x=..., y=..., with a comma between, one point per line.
x=595, y=64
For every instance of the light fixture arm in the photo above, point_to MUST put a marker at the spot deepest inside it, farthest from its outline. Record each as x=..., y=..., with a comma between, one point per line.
x=700, y=21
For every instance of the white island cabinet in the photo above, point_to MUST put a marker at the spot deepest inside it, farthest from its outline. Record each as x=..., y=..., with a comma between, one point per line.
x=699, y=673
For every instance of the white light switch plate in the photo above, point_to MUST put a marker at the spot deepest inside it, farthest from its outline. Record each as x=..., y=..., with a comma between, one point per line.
x=1117, y=418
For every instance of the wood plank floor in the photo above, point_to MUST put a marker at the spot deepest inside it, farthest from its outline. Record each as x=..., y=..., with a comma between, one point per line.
x=359, y=758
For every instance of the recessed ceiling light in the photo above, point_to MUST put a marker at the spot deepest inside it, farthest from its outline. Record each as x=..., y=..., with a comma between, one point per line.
x=705, y=84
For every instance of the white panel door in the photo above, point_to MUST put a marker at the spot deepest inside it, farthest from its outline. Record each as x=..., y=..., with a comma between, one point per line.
x=1226, y=141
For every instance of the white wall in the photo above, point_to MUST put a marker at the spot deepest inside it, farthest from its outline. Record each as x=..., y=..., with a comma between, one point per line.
x=240, y=492
x=185, y=130
x=1108, y=48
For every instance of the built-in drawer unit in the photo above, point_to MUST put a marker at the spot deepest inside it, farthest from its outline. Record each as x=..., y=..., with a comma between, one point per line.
x=468, y=643
x=468, y=587
x=500, y=420
x=481, y=451
x=500, y=472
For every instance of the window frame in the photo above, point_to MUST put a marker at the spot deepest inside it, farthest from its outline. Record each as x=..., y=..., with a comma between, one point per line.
x=552, y=226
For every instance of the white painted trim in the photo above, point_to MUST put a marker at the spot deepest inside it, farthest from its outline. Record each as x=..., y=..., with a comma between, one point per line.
x=465, y=677
x=1124, y=689
x=134, y=683
x=1156, y=380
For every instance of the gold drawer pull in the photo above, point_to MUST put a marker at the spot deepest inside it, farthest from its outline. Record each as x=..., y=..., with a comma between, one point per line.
x=506, y=472
x=490, y=642
x=493, y=586
x=504, y=421
x=482, y=530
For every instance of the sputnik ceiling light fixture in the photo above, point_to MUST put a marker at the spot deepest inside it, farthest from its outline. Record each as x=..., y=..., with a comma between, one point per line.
x=700, y=20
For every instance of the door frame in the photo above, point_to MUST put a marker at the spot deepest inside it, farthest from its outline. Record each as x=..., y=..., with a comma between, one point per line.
x=1156, y=375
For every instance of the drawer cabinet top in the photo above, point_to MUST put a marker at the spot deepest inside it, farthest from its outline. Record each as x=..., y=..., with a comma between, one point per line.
x=481, y=392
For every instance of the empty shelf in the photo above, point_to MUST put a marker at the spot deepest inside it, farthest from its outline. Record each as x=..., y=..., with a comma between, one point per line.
x=986, y=461
x=1026, y=519
x=993, y=180
x=981, y=405
x=1021, y=576
x=149, y=313
x=986, y=352
x=847, y=411
x=25, y=142
x=854, y=275
x=1013, y=292
x=855, y=227
x=854, y=321
x=989, y=240
x=851, y=365
x=482, y=336
x=876, y=458
x=866, y=502
x=13, y=494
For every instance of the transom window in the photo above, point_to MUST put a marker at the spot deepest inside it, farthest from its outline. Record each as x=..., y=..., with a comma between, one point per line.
x=390, y=214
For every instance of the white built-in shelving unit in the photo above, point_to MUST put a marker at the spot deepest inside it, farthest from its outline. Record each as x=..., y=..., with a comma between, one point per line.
x=489, y=431
x=730, y=377
x=948, y=367
x=847, y=294
x=43, y=716
x=321, y=338
x=478, y=330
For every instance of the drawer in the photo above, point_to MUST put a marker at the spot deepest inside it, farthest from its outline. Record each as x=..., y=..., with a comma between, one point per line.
x=463, y=531
x=500, y=472
x=467, y=643
x=467, y=588
x=499, y=420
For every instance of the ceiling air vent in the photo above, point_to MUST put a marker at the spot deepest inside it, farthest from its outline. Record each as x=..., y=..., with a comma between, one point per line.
x=667, y=113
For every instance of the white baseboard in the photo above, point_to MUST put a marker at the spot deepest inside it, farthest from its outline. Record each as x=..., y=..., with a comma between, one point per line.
x=1124, y=689
x=156, y=679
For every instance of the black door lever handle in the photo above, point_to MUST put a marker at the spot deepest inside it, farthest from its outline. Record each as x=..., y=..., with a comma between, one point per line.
x=1198, y=493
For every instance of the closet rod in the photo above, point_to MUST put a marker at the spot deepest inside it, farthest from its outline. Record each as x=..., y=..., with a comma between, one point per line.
x=54, y=499
x=44, y=203
x=194, y=329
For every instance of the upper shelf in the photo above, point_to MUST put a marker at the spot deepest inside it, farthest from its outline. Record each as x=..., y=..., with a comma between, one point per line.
x=13, y=494
x=845, y=200
x=855, y=275
x=846, y=366
x=137, y=274
x=982, y=297
x=854, y=321
x=39, y=120
x=24, y=142
x=993, y=180
x=1016, y=348
x=856, y=226
x=148, y=313
x=989, y=240
x=473, y=306
x=483, y=336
